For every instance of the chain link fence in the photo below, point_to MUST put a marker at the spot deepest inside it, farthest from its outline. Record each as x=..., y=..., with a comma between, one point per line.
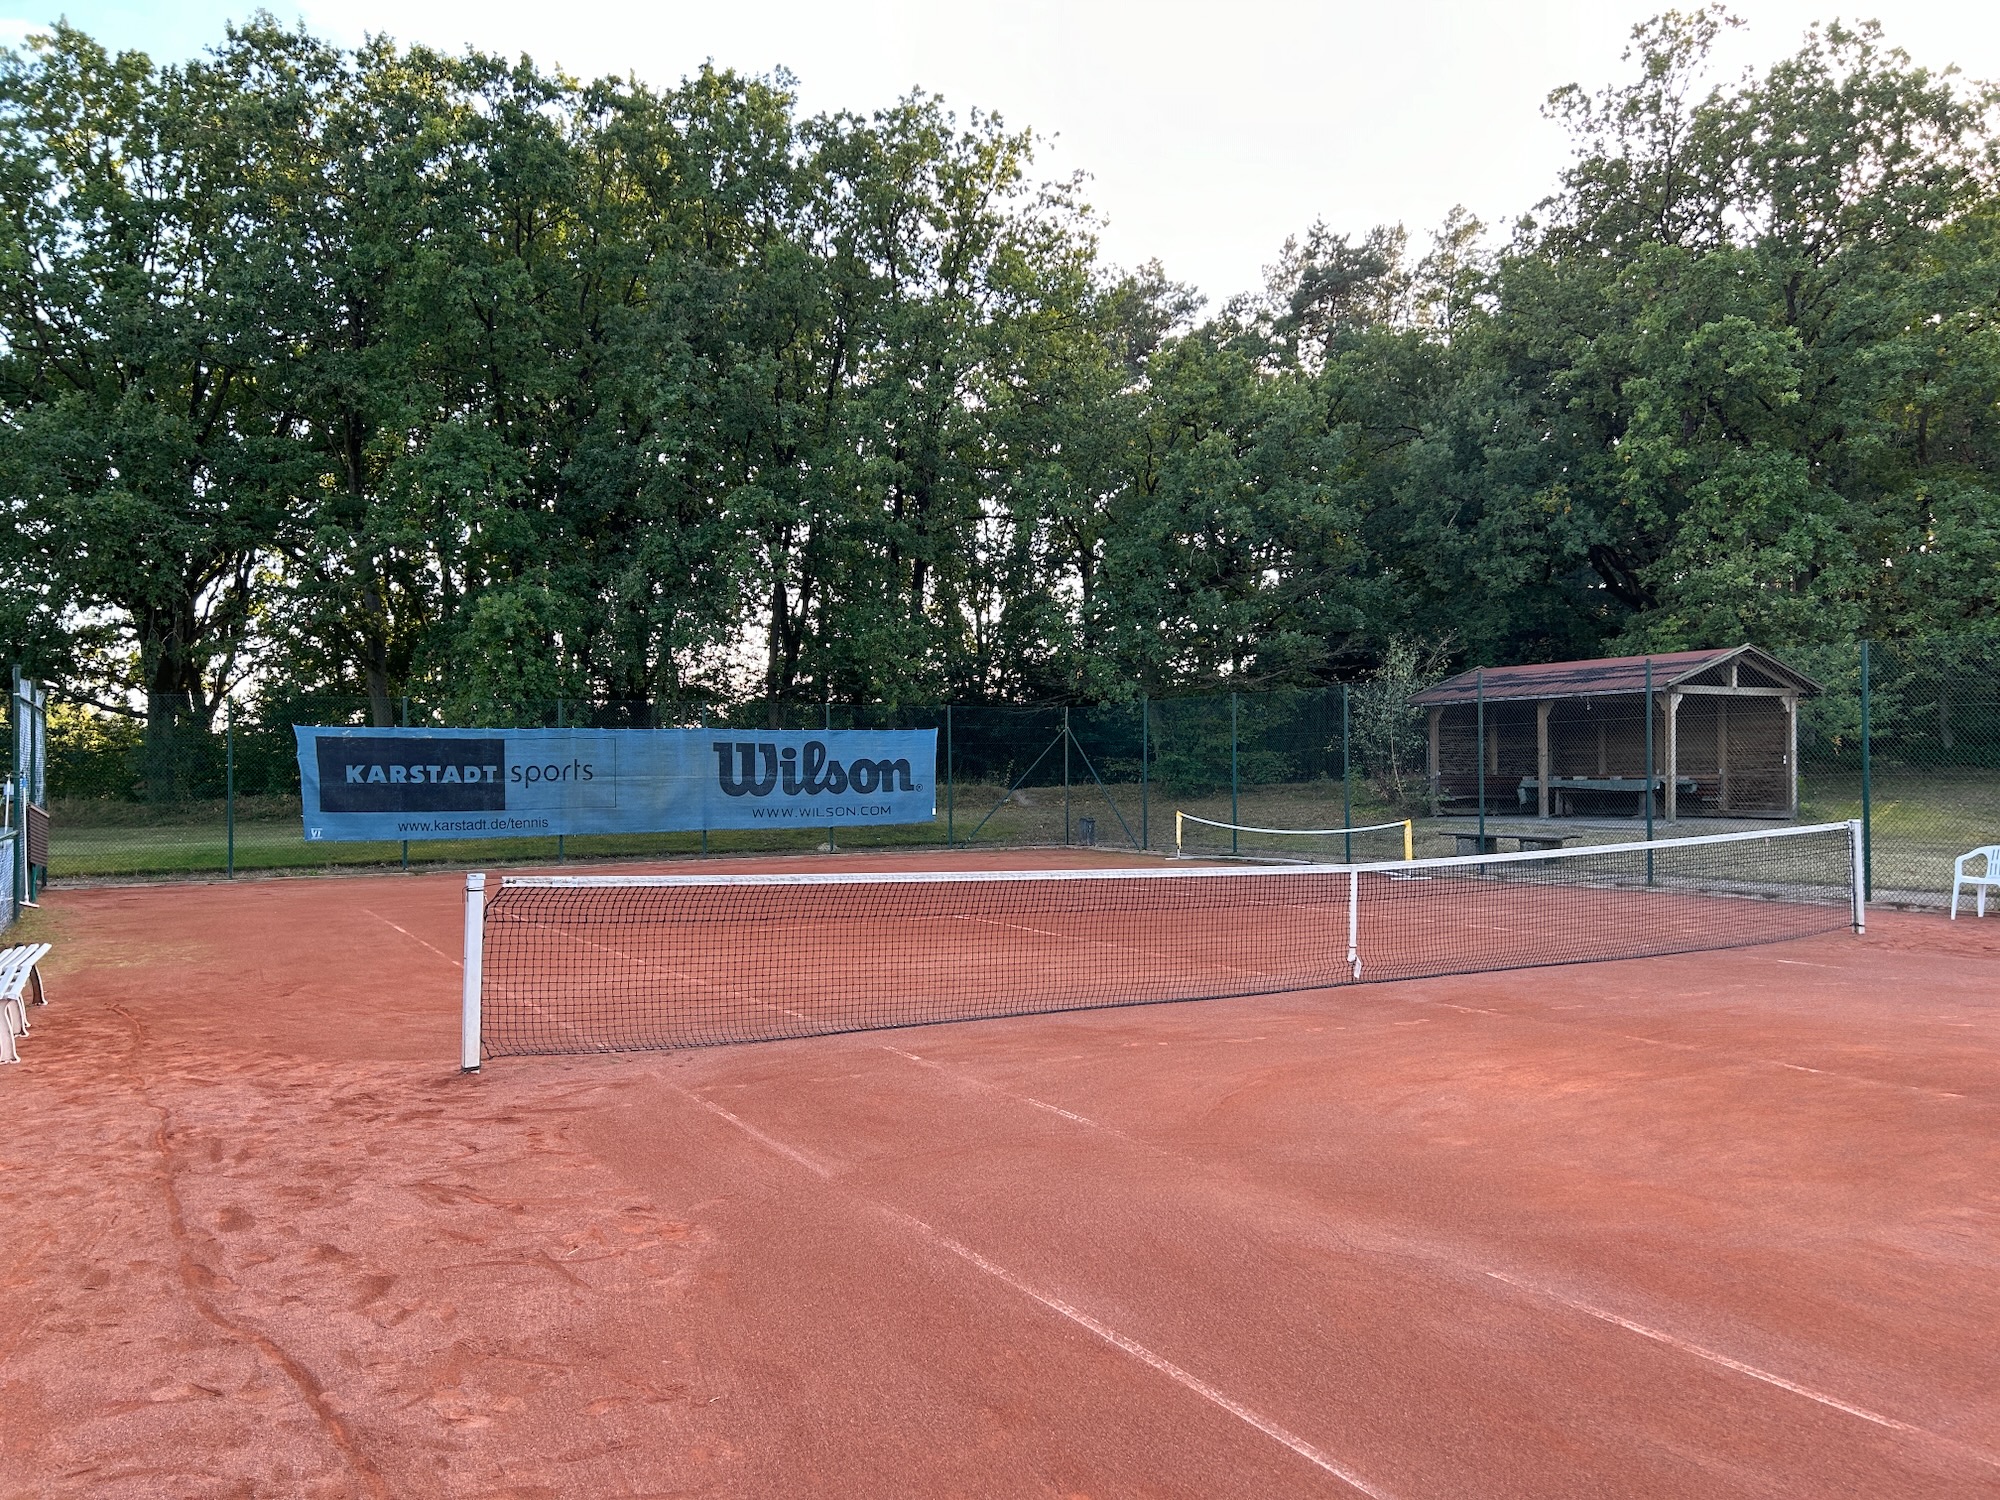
x=1906, y=736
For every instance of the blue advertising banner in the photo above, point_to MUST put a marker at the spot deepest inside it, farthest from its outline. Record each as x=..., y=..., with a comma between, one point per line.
x=516, y=783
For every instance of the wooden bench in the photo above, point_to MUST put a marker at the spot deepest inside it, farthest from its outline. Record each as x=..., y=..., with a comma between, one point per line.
x=20, y=984
x=1473, y=843
x=1563, y=790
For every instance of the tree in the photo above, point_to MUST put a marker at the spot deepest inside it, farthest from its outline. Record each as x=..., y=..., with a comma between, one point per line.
x=147, y=469
x=1741, y=326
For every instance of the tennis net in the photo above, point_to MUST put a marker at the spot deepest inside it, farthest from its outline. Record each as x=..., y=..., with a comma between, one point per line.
x=564, y=964
x=1205, y=838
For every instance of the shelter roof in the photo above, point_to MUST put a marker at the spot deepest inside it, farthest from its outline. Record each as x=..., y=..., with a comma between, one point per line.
x=1608, y=675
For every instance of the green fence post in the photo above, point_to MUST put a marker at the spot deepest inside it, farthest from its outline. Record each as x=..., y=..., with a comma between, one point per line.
x=18, y=812
x=830, y=849
x=1867, y=785
x=949, y=810
x=562, y=854
x=1346, y=778
x=229, y=786
x=701, y=723
x=406, y=725
x=1065, y=740
x=1479, y=748
x=1233, y=818
x=1145, y=752
x=1649, y=768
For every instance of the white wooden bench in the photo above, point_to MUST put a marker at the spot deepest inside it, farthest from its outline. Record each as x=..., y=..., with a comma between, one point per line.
x=20, y=984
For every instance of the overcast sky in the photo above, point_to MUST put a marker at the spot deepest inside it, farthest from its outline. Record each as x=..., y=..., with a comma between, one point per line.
x=1210, y=131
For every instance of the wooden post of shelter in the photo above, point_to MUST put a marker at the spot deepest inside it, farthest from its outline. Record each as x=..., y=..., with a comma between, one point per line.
x=1543, y=767
x=1722, y=740
x=1722, y=755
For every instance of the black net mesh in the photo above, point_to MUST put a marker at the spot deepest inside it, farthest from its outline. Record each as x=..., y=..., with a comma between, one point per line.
x=594, y=964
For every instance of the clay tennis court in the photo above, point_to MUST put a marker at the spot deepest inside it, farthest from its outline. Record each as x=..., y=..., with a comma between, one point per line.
x=1717, y=1224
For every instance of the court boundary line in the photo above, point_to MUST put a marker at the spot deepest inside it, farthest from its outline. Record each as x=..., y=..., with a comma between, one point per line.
x=1741, y=1367
x=1128, y=1346
x=1184, y=1378
x=1441, y=1255
x=456, y=963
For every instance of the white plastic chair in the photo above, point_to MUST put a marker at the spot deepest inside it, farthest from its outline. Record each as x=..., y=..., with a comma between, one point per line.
x=1989, y=855
x=20, y=979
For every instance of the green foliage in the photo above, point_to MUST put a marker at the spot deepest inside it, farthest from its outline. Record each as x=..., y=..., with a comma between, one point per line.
x=1391, y=738
x=382, y=374
x=92, y=754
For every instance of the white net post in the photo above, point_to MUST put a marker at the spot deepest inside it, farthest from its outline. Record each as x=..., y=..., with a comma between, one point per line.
x=1354, y=922
x=475, y=953
x=1859, y=868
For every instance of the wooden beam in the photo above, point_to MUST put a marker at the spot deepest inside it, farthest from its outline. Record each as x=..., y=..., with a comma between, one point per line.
x=1740, y=692
x=1542, y=758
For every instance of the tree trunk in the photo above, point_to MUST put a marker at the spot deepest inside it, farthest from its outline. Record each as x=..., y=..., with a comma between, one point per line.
x=774, y=662
x=174, y=705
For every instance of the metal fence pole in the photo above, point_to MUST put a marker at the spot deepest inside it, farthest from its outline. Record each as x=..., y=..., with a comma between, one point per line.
x=1234, y=819
x=229, y=786
x=406, y=725
x=1145, y=753
x=829, y=729
x=1346, y=779
x=17, y=794
x=950, y=811
x=1479, y=749
x=1649, y=768
x=1065, y=740
x=562, y=855
x=701, y=722
x=1867, y=784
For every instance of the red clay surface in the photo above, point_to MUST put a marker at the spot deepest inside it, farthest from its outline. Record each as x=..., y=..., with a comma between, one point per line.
x=1725, y=1224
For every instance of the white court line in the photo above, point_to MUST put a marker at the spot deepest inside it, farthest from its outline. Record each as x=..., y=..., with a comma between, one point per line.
x=1715, y=1357
x=1184, y=1378
x=1724, y=1058
x=1054, y=1109
x=1400, y=1246
x=1311, y=1454
x=457, y=963
x=770, y=1143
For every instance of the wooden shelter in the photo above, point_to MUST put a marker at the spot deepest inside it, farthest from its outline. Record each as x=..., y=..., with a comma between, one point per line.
x=1570, y=737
